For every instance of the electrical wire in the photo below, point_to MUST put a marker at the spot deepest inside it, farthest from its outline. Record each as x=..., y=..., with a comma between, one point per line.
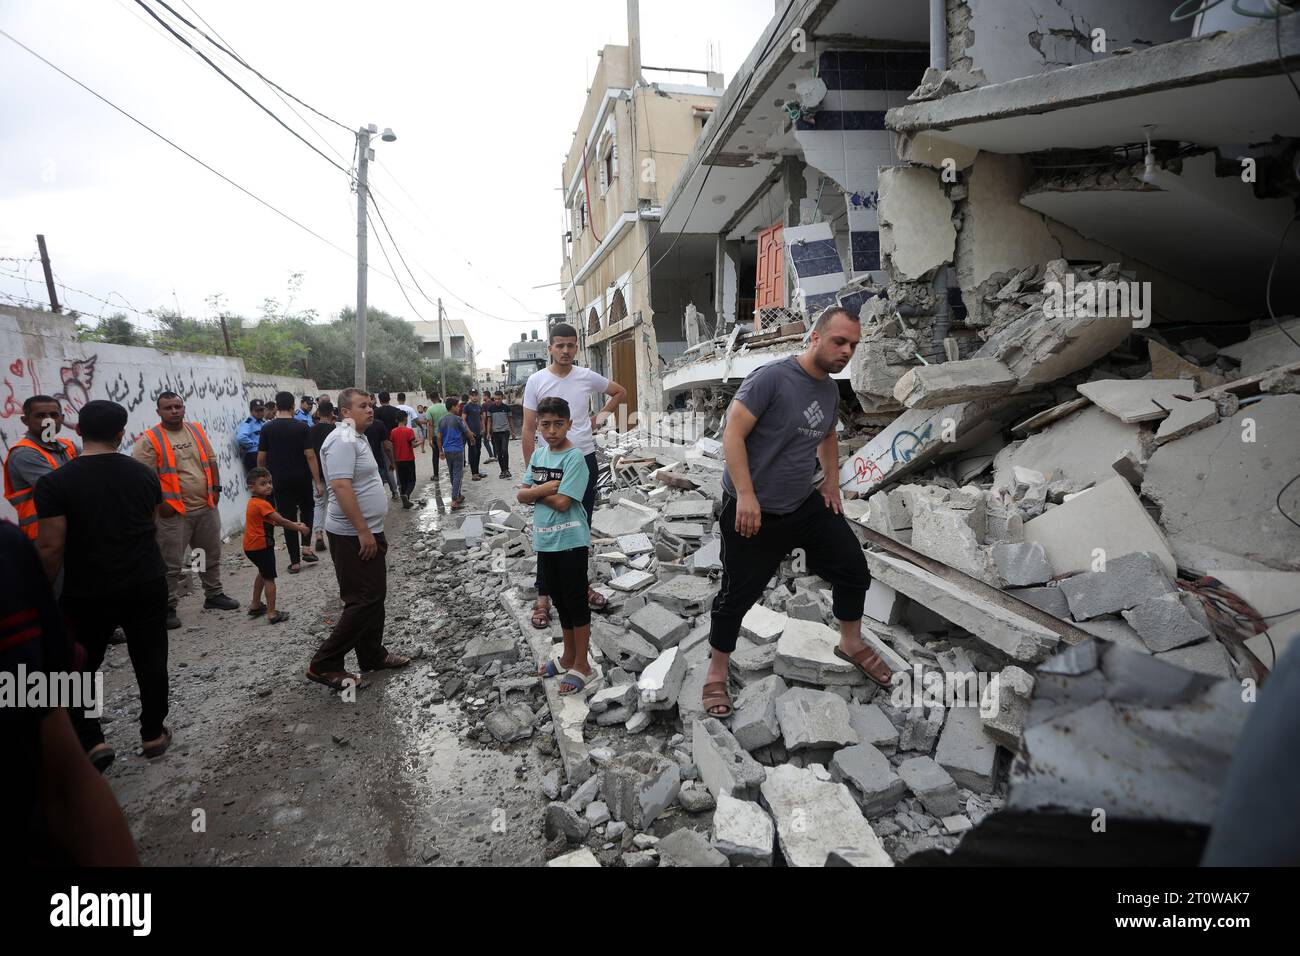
x=1268, y=286
x=226, y=76
x=380, y=243
x=1279, y=501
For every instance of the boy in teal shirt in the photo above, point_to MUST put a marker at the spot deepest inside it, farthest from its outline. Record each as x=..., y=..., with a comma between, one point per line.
x=554, y=485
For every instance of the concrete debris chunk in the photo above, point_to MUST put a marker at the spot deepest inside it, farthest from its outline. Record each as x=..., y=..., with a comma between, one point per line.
x=510, y=722
x=562, y=820
x=620, y=520
x=579, y=857
x=873, y=727
x=1165, y=622
x=1129, y=580
x=966, y=751
x=752, y=663
x=933, y=386
x=933, y=785
x=1208, y=657
x=686, y=847
x=661, y=681
x=632, y=581
x=634, y=544
x=1022, y=564
x=814, y=719
x=658, y=625
x=870, y=777
x=922, y=729
x=796, y=796
x=883, y=603
x=632, y=652
x=743, y=832
x=806, y=652
x=637, y=787
x=689, y=509
x=685, y=594
x=1049, y=599
x=485, y=648
x=724, y=765
x=755, y=722
x=1007, y=722
x=763, y=625
x=620, y=695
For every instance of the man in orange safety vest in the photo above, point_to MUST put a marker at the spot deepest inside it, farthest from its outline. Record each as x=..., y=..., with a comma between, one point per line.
x=34, y=456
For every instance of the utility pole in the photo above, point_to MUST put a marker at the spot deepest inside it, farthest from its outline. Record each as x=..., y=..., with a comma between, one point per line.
x=49, y=275
x=442, y=351
x=363, y=176
x=225, y=332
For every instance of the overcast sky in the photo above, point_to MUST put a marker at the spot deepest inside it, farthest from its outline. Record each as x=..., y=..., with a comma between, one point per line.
x=483, y=97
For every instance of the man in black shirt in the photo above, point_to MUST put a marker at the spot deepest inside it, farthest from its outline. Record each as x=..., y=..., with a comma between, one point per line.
x=285, y=450
x=316, y=438
x=377, y=435
x=387, y=413
x=97, y=522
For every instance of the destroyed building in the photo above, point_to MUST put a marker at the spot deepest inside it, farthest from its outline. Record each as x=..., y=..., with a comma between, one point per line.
x=1068, y=444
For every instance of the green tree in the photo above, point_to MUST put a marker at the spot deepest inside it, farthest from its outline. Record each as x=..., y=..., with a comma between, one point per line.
x=115, y=329
x=458, y=381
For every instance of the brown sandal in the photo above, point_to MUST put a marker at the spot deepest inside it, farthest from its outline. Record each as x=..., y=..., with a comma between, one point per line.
x=390, y=663
x=867, y=661
x=541, y=617
x=715, y=695
x=335, y=680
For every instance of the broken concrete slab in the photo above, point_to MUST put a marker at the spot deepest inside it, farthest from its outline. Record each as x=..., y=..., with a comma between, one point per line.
x=805, y=652
x=510, y=722
x=1165, y=622
x=883, y=604
x=687, y=847
x=486, y=648
x=1167, y=364
x=1185, y=418
x=1207, y=657
x=915, y=217
x=743, y=832
x=952, y=534
x=966, y=751
x=560, y=819
x=1080, y=447
x=619, y=695
x=1127, y=581
x=1218, y=496
x=933, y=785
x=725, y=766
x=870, y=777
x=661, y=681
x=1022, y=564
x=796, y=796
x=873, y=727
x=933, y=386
x=631, y=581
x=621, y=520
x=1008, y=632
x=814, y=719
x=1049, y=599
x=658, y=625
x=921, y=731
x=755, y=723
x=637, y=787
x=708, y=557
x=753, y=663
x=762, y=625
x=685, y=594
x=1108, y=517
x=634, y=544
x=689, y=509
x=1266, y=347
x=1143, y=400
x=621, y=648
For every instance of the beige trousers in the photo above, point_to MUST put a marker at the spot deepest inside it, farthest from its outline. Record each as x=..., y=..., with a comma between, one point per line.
x=191, y=544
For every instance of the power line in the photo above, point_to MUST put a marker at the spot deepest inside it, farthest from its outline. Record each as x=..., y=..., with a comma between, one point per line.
x=380, y=243
x=226, y=76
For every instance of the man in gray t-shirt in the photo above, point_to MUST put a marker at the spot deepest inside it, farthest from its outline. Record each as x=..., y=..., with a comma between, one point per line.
x=354, y=526
x=781, y=422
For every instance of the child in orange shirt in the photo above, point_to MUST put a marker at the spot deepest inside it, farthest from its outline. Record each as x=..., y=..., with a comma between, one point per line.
x=259, y=543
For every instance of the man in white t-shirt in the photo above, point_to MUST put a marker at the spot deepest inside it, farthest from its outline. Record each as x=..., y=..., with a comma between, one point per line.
x=576, y=385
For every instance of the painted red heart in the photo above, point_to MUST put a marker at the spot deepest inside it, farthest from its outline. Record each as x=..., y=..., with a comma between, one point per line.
x=16, y=368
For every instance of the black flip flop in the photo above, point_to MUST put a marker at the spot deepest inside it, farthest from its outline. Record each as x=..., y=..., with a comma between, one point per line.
x=279, y=616
x=257, y=611
x=309, y=557
x=102, y=759
x=157, y=750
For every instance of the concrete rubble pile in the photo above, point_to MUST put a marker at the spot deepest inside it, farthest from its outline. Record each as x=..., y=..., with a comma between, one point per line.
x=1107, y=518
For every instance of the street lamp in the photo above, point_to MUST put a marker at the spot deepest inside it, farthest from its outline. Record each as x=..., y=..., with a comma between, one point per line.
x=364, y=155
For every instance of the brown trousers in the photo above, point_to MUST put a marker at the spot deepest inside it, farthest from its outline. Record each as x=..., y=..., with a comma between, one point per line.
x=179, y=536
x=363, y=586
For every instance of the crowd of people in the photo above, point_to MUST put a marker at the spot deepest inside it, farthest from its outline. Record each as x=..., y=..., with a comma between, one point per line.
x=325, y=473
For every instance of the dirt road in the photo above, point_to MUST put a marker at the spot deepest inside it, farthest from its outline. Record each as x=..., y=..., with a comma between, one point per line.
x=268, y=768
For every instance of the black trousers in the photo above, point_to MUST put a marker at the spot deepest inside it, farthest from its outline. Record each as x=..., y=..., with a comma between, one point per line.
x=501, y=444
x=567, y=572
x=588, y=503
x=829, y=545
x=406, y=477
x=363, y=585
x=250, y=461
x=141, y=611
x=295, y=499
x=474, y=452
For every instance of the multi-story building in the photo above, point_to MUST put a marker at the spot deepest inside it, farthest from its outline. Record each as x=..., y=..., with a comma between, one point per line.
x=526, y=357
x=454, y=341
x=630, y=143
